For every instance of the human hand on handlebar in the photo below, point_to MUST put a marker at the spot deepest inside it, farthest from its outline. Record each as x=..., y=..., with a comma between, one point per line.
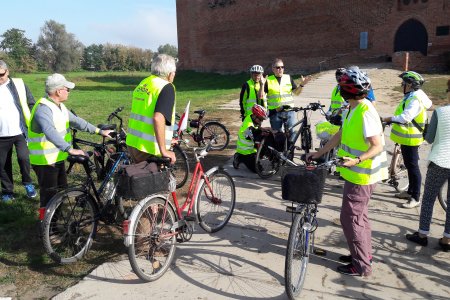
x=387, y=120
x=312, y=156
x=105, y=133
x=171, y=155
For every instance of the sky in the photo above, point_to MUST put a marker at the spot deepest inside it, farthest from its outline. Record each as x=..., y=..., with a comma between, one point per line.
x=145, y=24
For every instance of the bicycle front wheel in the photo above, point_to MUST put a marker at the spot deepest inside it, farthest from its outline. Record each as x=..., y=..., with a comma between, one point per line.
x=267, y=164
x=297, y=257
x=217, y=133
x=401, y=180
x=215, y=201
x=181, y=168
x=152, y=247
x=442, y=196
x=69, y=225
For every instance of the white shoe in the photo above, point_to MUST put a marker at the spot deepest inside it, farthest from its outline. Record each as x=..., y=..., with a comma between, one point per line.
x=411, y=203
x=403, y=195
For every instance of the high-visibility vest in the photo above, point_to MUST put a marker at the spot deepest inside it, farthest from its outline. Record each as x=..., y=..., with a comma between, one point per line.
x=336, y=99
x=408, y=134
x=21, y=91
x=251, y=97
x=354, y=145
x=141, y=130
x=245, y=145
x=42, y=151
x=279, y=94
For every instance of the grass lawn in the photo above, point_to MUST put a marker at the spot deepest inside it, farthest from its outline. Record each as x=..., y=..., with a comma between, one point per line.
x=25, y=271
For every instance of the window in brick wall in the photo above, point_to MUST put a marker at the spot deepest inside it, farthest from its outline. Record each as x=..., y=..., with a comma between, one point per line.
x=363, y=40
x=442, y=30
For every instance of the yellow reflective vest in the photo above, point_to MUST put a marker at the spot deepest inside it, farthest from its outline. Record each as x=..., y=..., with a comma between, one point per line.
x=279, y=94
x=408, y=134
x=141, y=130
x=245, y=144
x=336, y=99
x=354, y=145
x=42, y=151
x=21, y=91
x=250, y=97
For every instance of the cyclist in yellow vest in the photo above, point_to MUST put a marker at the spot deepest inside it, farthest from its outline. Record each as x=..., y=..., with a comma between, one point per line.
x=280, y=88
x=49, y=136
x=361, y=146
x=245, y=145
x=150, y=126
x=16, y=102
x=250, y=92
x=409, y=120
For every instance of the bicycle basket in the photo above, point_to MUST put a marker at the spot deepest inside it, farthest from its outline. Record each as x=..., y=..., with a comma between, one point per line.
x=139, y=180
x=325, y=130
x=302, y=185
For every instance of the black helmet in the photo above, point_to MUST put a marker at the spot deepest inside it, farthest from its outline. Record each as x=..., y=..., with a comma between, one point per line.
x=415, y=79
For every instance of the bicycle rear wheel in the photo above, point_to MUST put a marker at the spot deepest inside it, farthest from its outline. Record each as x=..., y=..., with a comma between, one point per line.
x=217, y=133
x=215, y=201
x=442, y=196
x=401, y=181
x=267, y=164
x=152, y=247
x=181, y=168
x=69, y=225
x=297, y=256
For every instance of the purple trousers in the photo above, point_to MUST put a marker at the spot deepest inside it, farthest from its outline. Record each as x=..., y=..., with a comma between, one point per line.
x=356, y=226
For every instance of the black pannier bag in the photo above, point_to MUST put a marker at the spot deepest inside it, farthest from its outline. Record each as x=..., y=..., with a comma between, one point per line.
x=194, y=123
x=139, y=180
x=303, y=185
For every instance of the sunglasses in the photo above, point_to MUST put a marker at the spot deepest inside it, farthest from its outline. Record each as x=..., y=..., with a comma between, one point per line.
x=3, y=74
x=279, y=67
x=66, y=89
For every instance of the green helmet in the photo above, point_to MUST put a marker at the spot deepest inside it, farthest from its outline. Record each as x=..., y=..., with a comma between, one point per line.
x=412, y=77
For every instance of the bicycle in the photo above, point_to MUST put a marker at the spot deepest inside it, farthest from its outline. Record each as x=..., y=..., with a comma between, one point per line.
x=268, y=165
x=69, y=221
x=305, y=187
x=156, y=225
x=205, y=132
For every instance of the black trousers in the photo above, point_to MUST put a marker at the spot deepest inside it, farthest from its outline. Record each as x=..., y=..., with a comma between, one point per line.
x=51, y=178
x=411, y=159
x=248, y=160
x=23, y=158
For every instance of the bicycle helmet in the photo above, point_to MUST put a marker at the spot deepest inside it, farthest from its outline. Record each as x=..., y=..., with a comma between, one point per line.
x=415, y=79
x=259, y=111
x=354, y=82
x=256, y=69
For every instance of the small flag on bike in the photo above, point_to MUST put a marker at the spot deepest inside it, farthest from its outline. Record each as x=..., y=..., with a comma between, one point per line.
x=182, y=125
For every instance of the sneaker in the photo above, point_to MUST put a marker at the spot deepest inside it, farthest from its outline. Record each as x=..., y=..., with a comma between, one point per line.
x=236, y=161
x=422, y=241
x=31, y=191
x=411, y=203
x=403, y=195
x=445, y=247
x=7, y=197
x=348, y=270
x=348, y=259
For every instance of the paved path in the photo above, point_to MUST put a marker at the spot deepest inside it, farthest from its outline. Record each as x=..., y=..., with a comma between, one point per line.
x=246, y=259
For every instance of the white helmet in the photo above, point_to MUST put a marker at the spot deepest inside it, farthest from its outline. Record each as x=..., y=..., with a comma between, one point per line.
x=256, y=69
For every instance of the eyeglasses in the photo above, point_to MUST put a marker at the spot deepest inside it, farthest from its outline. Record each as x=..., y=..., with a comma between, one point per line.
x=279, y=67
x=3, y=74
x=66, y=89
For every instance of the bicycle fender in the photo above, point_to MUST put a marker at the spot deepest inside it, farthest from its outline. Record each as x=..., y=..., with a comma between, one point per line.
x=127, y=240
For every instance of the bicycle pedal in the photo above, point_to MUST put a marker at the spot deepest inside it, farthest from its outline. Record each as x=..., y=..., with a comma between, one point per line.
x=189, y=218
x=319, y=251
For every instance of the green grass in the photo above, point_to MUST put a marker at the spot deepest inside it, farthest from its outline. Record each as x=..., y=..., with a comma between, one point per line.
x=434, y=87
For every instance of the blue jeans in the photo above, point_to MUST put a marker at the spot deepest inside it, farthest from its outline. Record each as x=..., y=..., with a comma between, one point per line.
x=276, y=123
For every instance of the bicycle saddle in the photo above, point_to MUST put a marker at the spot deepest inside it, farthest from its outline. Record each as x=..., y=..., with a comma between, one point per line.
x=200, y=112
x=80, y=159
x=107, y=126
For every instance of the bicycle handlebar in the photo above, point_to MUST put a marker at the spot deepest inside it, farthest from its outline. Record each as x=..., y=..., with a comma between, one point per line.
x=311, y=106
x=114, y=114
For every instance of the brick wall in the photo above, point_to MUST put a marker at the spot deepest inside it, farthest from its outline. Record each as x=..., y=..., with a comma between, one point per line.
x=306, y=34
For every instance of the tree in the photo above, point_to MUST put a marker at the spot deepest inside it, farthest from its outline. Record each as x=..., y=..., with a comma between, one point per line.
x=93, y=58
x=18, y=48
x=168, y=49
x=57, y=49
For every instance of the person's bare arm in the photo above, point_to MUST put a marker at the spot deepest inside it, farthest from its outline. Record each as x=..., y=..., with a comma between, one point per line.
x=160, y=133
x=301, y=84
x=332, y=143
